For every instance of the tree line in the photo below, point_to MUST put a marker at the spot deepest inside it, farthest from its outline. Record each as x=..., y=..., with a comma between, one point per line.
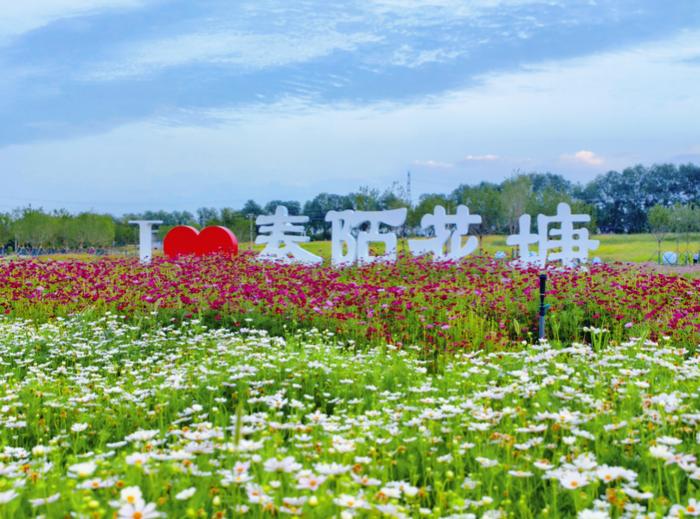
x=661, y=198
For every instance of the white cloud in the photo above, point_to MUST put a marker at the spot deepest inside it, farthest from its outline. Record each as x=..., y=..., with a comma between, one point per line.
x=585, y=157
x=20, y=16
x=248, y=51
x=433, y=164
x=455, y=7
x=613, y=102
x=487, y=157
x=407, y=56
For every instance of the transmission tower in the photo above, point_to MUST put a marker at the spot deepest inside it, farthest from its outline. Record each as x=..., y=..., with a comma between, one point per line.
x=408, y=188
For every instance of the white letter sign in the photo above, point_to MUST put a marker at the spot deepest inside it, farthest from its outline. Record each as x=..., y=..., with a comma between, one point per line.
x=283, y=237
x=354, y=231
x=573, y=244
x=345, y=234
x=458, y=227
x=146, y=238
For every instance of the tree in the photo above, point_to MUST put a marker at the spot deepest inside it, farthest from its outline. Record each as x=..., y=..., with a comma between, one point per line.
x=317, y=208
x=426, y=204
x=125, y=233
x=394, y=197
x=660, y=223
x=515, y=195
x=238, y=223
x=684, y=220
x=550, y=181
x=207, y=216
x=6, y=234
x=365, y=199
x=293, y=207
x=252, y=207
x=35, y=228
x=484, y=200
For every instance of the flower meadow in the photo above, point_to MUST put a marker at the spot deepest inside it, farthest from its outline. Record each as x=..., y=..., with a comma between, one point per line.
x=102, y=418
x=230, y=387
x=478, y=303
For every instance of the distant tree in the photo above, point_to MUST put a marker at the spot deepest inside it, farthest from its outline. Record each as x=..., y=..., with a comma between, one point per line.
x=208, y=216
x=169, y=218
x=484, y=200
x=98, y=230
x=293, y=207
x=515, y=196
x=684, y=221
x=317, y=208
x=426, y=204
x=660, y=223
x=620, y=200
x=689, y=175
x=394, y=197
x=366, y=199
x=549, y=181
x=252, y=207
x=6, y=234
x=623, y=199
x=239, y=224
x=36, y=228
x=125, y=233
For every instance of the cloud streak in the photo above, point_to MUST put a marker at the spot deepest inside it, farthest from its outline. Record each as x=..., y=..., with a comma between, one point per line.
x=223, y=48
x=18, y=17
x=481, y=158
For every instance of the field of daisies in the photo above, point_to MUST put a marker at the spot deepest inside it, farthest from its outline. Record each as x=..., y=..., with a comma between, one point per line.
x=222, y=387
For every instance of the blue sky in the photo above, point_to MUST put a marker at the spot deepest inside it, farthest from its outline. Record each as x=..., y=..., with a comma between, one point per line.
x=127, y=105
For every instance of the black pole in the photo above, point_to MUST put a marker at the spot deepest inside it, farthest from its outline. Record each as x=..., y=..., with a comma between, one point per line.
x=543, y=307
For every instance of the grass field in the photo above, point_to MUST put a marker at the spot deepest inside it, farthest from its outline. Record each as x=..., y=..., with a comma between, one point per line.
x=613, y=247
x=638, y=248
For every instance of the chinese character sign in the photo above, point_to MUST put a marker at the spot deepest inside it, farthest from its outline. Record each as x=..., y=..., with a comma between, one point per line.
x=558, y=238
x=568, y=243
x=449, y=231
x=350, y=244
x=282, y=237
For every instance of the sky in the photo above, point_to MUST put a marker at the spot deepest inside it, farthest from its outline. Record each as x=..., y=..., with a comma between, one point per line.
x=123, y=106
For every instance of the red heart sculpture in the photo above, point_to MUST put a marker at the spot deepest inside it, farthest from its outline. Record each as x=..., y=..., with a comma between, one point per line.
x=184, y=239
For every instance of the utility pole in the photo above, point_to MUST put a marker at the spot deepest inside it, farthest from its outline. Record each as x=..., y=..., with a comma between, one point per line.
x=250, y=218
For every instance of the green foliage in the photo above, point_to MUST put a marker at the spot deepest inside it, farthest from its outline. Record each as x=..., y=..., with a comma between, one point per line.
x=485, y=200
x=632, y=201
x=293, y=207
x=660, y=221
x=516, y=193
x=35, y=228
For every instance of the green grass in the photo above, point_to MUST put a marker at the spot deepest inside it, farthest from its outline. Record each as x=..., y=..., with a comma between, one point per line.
x=613, y=247
x=638, y=248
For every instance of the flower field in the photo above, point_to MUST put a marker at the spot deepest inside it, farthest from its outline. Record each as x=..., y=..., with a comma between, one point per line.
x=227, y=387
x=478, y=303
x=102, y=419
